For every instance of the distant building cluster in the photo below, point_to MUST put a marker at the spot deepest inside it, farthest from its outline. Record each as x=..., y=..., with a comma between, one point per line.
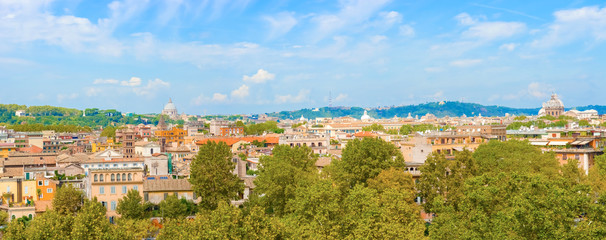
x=155, y=159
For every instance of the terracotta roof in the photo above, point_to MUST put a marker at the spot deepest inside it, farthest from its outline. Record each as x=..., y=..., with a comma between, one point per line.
x=365, y=134
x=30, y=149
x=13, y=172
x=231, y=141
x=42, y=206
x=21, y=161
x=323, y=161
x=166, y=185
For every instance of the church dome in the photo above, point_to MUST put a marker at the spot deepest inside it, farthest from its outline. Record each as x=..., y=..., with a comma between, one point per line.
x=170, y=106
x=553, y=103
x=365, y=116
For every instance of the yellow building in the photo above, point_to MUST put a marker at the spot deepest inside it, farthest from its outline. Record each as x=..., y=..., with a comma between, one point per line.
x=18, y=197
x=159, y=188
x=100, y=147
x=111, y=185
x=175, y=135
x=6, y=148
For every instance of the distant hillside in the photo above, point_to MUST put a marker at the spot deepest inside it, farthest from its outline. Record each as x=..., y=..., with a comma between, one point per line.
x=453, y=109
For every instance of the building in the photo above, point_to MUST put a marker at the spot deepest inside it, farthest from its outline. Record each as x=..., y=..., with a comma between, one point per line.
x=146, y=149
x=170, y=110
x=127, y=138
x=6, y=148
x=158, y=188
x=554, y=107
x=111, y=185
x=175, y=136
x=231, y=131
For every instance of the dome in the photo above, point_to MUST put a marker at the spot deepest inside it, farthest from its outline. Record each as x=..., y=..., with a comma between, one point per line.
x=365, y=116
x=553, y=103
x=542, y=112
x=170, y=106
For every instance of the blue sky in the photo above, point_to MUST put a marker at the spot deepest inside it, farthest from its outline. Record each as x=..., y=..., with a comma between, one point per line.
x=245, y=56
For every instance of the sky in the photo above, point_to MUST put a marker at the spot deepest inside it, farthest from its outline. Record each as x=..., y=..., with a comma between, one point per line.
x=246, y=56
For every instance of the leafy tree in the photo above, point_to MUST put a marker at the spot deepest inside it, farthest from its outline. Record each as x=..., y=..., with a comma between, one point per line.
x=131, y=206
x=15, y=230
x=374, y=127
x=172, y=207
x=282, y=174
x=514, y=156
x=91, y=223
x=364, y=159
x=511, y=205
x=68, y=200
x=132, y=229
x=50, y=225
x=212, y=177
x=584, y=123
x=316, y=212
x=3, y=218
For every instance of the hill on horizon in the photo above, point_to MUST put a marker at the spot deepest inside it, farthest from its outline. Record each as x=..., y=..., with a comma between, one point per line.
x=451, y=108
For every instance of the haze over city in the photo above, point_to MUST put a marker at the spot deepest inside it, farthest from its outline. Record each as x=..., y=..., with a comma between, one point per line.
x=261, y=56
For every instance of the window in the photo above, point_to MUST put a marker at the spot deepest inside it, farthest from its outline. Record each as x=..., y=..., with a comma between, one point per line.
x=113, y=206
x=113, y=177
x=165, y=195
x=49, y=190
x=130, y=177
x=8, y=189
x=39, y=183
x=123, y=189
x=26, y=190
x=101, y=177
x=106, y=165
x=85, y=165
x=113, y=190
x=123, y=176
x=101, y=189
x=136, y=187
x=146, y=197
x=45, y=182
x=115, y=165
x=96, y=178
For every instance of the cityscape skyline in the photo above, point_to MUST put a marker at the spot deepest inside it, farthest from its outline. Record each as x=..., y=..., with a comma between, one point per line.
x=220, y=57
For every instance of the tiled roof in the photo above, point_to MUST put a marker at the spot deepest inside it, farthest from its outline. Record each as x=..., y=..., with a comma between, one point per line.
x=166, y=185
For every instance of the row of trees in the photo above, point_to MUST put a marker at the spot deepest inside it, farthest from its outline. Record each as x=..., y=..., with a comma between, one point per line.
x=504, y=190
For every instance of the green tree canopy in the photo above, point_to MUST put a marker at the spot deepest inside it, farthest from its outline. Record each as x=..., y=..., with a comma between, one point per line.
x=68, y=200
x=364, y=159
x=172, y=207
x=131, y=206
x=211, y=175
x=282, y=174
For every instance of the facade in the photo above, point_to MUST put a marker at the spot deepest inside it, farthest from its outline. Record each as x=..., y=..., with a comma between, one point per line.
x=127, y=138
x=173, y=136
x=158, y=188
x=111, y=185
x=146, y=149
x=6, y=148
x=46, y=188
x=231, y=131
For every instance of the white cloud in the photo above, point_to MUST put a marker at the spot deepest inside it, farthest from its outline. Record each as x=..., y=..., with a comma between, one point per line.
x=533, y=90
x=261, y=76
x=92, y=91
x=218, y=97
x=61, y=97
x=351, y=13
x=465, y=19
x=281, y=23
x=377, y=39
x=466, y=62
x=494, y=30
x=151, y=88
x=105, y=81
x=241, y=92
x=575, y=24
x=293, y=99
x=508, y=46
x=133, y=82
x=391, y=18
x=341, y=97
x=407, y=31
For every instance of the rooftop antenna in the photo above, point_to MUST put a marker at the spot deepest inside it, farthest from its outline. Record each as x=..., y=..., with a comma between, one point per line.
x=329, y=99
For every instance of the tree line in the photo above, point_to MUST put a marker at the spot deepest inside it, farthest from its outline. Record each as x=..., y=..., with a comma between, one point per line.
x=503, y=190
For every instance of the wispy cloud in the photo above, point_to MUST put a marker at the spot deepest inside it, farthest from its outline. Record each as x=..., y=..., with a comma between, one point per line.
x=575, y=24
x=466, y=62
x=261, y=76
x=241, y=92
x=293, y=99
